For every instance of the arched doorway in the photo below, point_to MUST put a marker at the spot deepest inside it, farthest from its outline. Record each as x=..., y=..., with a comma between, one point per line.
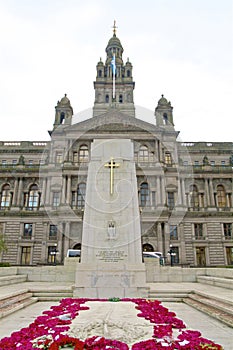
x=147, y=247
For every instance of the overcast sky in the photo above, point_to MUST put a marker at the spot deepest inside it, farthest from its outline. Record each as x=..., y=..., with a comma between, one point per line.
x=180, y=48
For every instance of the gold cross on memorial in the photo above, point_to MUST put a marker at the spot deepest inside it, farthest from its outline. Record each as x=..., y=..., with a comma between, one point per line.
x=111, y=165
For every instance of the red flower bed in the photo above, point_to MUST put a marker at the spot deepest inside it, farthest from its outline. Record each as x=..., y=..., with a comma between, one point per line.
x=48, y=331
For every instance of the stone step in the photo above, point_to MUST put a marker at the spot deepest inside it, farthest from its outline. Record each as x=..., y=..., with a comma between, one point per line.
x=7, y=310
x=217, y=304
x=12, y=299
x=167, y=299
x=12, y=279
x=210, y=310
x=53, y=294
x=215, y=297
x=53, y=298
x=166, y=295
x=216, y=281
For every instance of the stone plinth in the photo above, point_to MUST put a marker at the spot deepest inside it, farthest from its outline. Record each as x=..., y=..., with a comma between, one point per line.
x=112, y=280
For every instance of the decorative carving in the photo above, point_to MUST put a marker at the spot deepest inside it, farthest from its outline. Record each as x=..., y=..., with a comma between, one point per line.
x=111, y=230
x=123, y=331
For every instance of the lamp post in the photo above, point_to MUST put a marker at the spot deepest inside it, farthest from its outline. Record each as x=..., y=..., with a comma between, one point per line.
x=171, y=253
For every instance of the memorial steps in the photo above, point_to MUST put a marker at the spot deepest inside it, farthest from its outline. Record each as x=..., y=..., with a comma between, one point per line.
x=216, y=301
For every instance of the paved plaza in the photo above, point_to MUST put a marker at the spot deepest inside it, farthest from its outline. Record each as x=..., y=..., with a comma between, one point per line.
x=194, y=319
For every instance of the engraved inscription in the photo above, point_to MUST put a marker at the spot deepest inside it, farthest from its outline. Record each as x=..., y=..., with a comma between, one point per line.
x=111, y=255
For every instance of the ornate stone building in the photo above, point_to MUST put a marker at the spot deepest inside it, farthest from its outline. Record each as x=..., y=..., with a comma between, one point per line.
x=184, y=189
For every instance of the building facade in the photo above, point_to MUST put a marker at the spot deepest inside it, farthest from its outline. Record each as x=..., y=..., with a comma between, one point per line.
x=184, y=189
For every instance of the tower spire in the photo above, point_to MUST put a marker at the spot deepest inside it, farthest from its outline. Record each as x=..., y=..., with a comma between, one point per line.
x=114, y=28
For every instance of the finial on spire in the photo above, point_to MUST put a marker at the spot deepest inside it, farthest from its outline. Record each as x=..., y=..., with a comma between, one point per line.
x=114, y=28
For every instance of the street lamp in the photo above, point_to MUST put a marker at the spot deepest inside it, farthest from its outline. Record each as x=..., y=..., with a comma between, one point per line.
x=171, y=253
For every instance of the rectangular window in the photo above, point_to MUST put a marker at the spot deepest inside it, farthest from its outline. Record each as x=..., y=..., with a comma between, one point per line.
x=185, y=162
x=27, y=231
x=14, y=162
x=223, y=163
x=75, y=157
x=56, y=199
x=170, y=200
x=168, y=158
x=227, y=228
x=198, y=231
x=58, y=158
x=212, y=163
x=196, y=163
x=73, y=200
x=30, y=163
x=4, y=163
x=53, y=232
x=25, y=255
x=173, y=232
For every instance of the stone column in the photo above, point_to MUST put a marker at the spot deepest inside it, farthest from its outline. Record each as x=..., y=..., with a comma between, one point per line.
x=211, y=193
x=63, y=198
x=15, y=193
x=47, y=193
x=228, y=203
x=158, y=191
x=183, y=192
x=43, y=191
x=68, y=195
x=163, y=189
x=179, y=193
x=20, y=189
x=207, y=195
x=160, y=238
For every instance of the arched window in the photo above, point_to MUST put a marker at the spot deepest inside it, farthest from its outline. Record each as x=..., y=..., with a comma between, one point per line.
x=143, y=154
x=165, y=119
x=83, y=154
x=99, y=73
x=6, y=196
x=144, y=194
x=81, y=193
x=194, y=202
x=128, y=73
x=147, y=247
x=121, y=98
x=107, y=98
x=62, y=117
x=221, y=196
x=33, y=197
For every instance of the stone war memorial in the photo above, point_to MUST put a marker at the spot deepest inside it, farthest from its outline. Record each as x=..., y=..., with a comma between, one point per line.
x=111, y=261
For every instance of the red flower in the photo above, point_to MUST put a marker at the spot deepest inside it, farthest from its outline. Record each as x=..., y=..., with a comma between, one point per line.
x=66, y=340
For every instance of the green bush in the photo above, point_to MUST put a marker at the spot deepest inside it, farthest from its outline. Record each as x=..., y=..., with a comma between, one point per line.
x=4, y=264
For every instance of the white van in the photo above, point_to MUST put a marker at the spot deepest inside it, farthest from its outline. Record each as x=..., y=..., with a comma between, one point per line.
x=73, y=253
x=152, y=254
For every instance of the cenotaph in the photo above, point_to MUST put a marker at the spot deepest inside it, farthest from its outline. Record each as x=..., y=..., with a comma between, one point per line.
x=111, y=258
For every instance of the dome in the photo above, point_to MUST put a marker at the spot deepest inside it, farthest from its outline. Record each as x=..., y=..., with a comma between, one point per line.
x=163, y=101
x=128, y=63
x=64, y=101
x=114, y=42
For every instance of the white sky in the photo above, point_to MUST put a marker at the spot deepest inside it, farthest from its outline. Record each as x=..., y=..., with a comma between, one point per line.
x=180, y=48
